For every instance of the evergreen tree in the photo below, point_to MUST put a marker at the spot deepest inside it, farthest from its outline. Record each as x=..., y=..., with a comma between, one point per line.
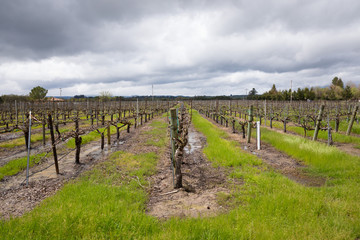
x=338, y=82
x=252, y=92
x=347, y=94
x=38, y=93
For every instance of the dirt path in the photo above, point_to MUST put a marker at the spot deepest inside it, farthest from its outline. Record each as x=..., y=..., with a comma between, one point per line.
x=16, y=198
x=201, y=183
x=279, y=161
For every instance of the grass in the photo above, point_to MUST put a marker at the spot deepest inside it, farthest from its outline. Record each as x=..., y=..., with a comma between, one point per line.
x=37, y=137
x=154, y=135
x=343, y=126
x=325, y=160
x=337, y=137
x=17, y=165
x=277, y=208
x=109, y=201
x=21, y=141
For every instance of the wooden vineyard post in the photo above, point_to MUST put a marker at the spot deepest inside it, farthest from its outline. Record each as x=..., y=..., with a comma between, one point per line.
x=26, y=132
x=16, y=113
x=250, y=123
x=137, y=112
x=28, y=155
x=318, y=121
x=233, y=126
x=352, y=120
x=53, y=143
x=108, y=135
x=102, y=140
x=330, y=141
x=337, y=119
x=173, y=135
x=117, y=133
x=190, y=110
x=78, y=141
x=265, y=112
x=43, y=129
x=92, y=117
x=348, y=114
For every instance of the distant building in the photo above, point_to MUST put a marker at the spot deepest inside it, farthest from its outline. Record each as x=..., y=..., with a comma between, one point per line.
x=53, y=99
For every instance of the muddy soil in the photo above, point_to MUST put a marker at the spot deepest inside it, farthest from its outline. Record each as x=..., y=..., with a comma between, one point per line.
x=281, y=162
x=201, y=184
x=16, y=198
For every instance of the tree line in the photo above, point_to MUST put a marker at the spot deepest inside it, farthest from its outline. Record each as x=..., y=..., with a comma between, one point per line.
x=336, y=91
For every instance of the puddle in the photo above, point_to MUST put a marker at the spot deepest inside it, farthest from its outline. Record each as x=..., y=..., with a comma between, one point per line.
x=194, y=142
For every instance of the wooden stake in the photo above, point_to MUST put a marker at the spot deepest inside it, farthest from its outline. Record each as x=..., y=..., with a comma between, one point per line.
x=53, y=143
x=318, y=122
x=250, y=123
x=352, y=120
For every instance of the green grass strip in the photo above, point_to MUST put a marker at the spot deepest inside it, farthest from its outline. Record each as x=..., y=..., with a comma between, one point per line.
x=17, y=165
x=337, y=137
x=325, y=160
x=34, y=138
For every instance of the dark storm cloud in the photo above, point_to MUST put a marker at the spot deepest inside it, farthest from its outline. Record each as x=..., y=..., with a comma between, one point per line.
x=93, y=44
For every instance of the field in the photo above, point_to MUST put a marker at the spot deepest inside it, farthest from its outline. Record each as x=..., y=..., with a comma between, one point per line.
x=180, y=170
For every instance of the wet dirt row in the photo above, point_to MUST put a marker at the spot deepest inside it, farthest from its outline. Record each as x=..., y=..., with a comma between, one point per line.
x=201, y=184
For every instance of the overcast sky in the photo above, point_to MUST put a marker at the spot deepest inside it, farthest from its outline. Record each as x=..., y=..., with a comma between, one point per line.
x=181, y=47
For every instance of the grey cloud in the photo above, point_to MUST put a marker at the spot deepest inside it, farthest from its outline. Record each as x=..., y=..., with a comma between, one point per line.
x=191, y=43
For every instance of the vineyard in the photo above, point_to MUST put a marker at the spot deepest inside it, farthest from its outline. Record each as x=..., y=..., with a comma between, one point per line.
x=212, y=169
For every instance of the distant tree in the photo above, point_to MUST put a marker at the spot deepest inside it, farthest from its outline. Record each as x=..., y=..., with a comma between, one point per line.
x=312, y=95
x=38, y=93
x=252, y=92
x=335, y=93
x=355, y=92
x=347, y=94
x=105, y=95
x=285, y=95
x=338, y=82
x=79, y=96
x=13, y=97
x=273, y=90
x=300, y=94
x=320, y=93
x=309, y=93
